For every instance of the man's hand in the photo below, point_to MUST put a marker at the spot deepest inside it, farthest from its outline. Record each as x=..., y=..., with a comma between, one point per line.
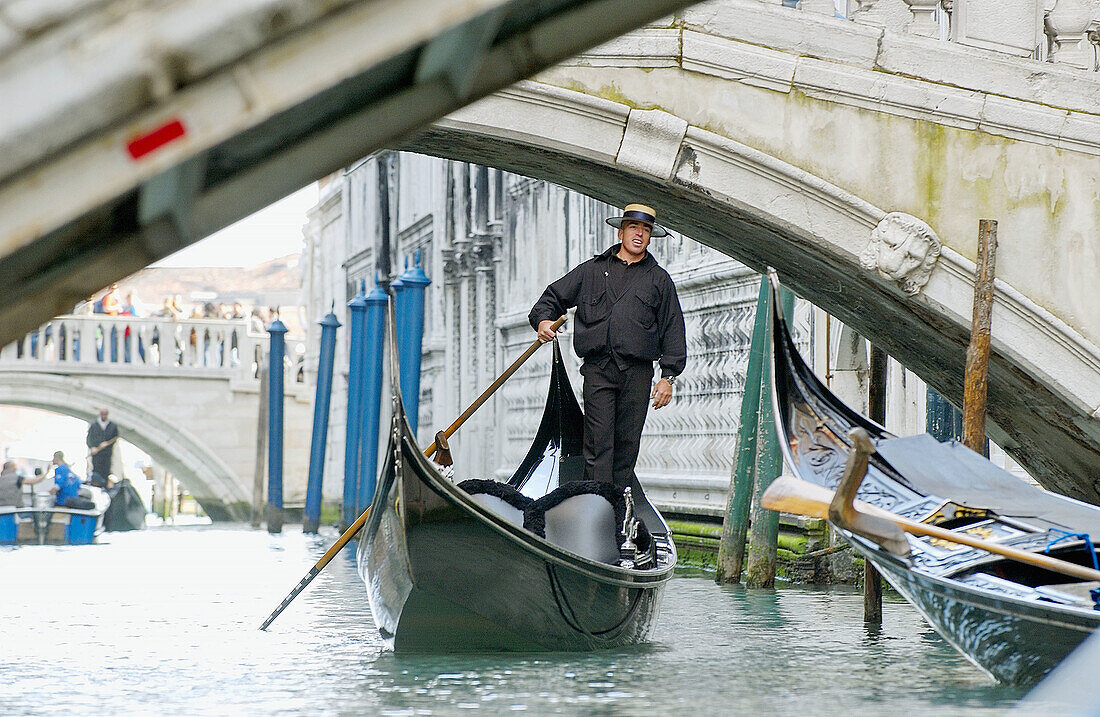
x=546, y=332
x=662, y=393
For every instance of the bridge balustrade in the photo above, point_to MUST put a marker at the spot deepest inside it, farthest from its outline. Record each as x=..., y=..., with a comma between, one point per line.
x=100, y=341
x=1066, y=32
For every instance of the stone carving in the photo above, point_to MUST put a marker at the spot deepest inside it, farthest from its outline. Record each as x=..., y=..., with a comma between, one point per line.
x=903, y=249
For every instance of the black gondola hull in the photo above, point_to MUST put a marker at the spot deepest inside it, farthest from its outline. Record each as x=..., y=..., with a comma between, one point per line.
x=1016, y=642
x=1013, y=623
x=443, y=574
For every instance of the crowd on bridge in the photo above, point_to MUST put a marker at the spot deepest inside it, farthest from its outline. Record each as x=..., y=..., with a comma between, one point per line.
x=114, y=303
x=211, y=346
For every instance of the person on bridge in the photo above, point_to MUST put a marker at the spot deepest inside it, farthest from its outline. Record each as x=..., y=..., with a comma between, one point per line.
x=102, y=435
x=66, y=483
x=11, y=485
x=628, y=316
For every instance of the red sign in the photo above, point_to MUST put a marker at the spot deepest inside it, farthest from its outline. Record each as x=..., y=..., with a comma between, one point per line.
x=146, y=143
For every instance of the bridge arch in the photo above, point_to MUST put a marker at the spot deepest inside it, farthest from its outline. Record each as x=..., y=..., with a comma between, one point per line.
x=1044, y=401
x=172, y=446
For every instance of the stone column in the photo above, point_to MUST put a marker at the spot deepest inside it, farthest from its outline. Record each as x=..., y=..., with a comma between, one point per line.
x=1066, y=25
x=823, y=7
x=925, y=23
x=888, y=14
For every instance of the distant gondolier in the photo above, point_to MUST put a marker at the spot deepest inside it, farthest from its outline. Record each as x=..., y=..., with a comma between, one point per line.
x=628, y=316
x=102, y=435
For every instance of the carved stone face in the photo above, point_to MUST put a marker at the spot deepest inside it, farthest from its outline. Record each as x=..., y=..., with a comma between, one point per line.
x=903, y=249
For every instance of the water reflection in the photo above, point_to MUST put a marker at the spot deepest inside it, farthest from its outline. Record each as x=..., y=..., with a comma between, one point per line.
x=165, y=621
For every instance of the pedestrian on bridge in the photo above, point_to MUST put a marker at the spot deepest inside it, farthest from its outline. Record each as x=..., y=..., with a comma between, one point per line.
x=102, y=435
x=628, y=316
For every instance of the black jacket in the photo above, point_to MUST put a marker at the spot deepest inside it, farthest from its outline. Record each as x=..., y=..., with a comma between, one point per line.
x=644, y=324
x=97, y=435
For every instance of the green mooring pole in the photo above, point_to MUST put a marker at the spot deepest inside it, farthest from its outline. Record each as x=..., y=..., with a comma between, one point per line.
x=731, y=549
x=764, y=537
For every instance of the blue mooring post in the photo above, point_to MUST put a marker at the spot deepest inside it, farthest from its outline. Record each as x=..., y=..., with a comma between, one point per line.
x=277, y=332
x=311, y=520
x=410, y=338
x=372, y=393
x=358, y=307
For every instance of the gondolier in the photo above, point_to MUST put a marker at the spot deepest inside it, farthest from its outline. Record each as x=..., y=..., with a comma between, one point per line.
x=102, y=435
x=628, y=316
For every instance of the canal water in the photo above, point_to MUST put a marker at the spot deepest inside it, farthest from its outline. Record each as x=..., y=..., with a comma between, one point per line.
x=164, y=621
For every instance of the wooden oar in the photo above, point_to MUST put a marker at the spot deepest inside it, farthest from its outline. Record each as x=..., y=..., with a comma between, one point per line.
x=792, y=495
x=362, y=519
x=99, y=448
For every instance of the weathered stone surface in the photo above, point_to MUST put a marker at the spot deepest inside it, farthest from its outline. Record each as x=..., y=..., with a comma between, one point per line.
x=651, y=142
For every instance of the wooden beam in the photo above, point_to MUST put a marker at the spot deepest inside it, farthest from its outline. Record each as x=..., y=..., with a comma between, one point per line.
x=976, y=380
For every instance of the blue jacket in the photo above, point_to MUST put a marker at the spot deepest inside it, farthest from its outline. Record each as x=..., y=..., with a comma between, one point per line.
x=67, y=482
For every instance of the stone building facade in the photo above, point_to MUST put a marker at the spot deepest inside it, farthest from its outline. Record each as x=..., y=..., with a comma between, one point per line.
x=491, y=241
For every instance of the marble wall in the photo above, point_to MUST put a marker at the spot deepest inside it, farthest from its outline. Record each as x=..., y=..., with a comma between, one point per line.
x=491, y=241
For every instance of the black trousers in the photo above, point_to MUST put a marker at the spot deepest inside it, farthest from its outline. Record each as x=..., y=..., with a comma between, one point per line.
x=101, y=462
x=615, y=406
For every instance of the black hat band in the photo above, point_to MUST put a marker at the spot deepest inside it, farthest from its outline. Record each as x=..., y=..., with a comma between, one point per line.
x=640, y=217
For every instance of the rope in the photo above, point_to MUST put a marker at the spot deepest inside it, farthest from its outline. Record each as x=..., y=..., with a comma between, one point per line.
x=1066, y=535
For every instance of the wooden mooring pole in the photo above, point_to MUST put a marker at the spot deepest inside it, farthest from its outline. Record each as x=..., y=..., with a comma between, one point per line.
x=735, y=527
x=976, y=379
x=764, y=530
x=876, y=407
x=259, y=472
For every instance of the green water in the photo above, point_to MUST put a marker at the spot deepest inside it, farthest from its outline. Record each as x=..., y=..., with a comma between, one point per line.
x=164, y=621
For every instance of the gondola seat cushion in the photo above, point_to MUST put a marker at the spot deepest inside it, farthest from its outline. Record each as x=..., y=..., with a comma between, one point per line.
x=500, y=498
x=584, y=517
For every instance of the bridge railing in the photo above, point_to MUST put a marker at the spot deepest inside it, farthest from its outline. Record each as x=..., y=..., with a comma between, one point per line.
x=192, y=345
x=1066, y=32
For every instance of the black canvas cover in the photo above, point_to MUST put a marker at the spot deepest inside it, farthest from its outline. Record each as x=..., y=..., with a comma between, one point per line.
x=951, y=470
x=126, y=511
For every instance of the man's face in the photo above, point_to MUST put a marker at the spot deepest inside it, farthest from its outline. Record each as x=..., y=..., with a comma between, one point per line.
x=635, y=238
x=103, y=414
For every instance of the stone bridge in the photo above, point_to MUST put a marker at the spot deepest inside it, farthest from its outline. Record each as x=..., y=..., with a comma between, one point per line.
x=185, y=392
x=856, y=157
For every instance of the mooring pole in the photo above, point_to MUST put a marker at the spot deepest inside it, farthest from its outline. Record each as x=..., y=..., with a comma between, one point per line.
x=261, y=448
x=731, y=548
x=277, y=341
x=411, y=332
x=876, y=407
x=311, y=518
x=357, y=306
x=373, y=365
x=764, y=535
x=976, y=380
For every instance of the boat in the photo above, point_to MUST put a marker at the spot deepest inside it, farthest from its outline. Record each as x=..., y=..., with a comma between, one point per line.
x=1013, y=620
x=126, y=511
x=541, y=562
x=44, y=523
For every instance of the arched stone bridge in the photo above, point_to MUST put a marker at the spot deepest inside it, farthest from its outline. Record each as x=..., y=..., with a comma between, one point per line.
x=785, y=139
x=778, y=135
x=185, y=392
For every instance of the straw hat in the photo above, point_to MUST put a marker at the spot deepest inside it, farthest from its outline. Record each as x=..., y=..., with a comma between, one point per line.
x=639, y=213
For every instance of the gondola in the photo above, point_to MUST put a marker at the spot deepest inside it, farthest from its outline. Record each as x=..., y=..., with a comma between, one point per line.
x=43, y=523
x=542, y=562
x=126, y=511
x=1014, y=621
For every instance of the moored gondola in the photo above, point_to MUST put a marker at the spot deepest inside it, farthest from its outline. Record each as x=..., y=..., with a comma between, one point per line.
x=543, y=562
x=1014, y=620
